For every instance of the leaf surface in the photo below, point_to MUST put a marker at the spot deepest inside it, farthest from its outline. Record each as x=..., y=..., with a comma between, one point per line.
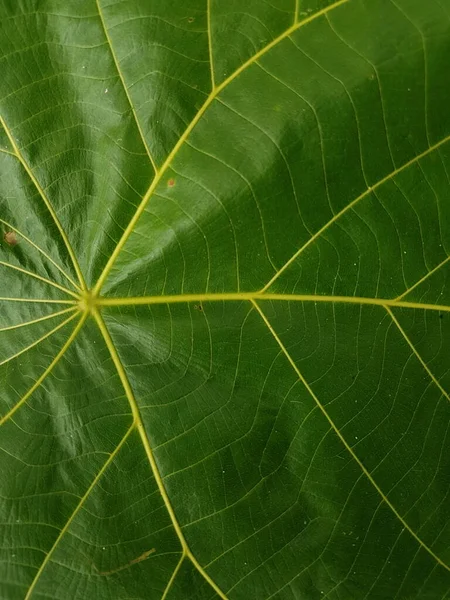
x=225, y=304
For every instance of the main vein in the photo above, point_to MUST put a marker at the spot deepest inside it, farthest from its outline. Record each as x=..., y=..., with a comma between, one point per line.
x=241, y=296
x=41, y=339
x=39, y=277
x=351, y=205
x=39, y=249
x=38, y=320
x=214, y=93
x=416, y=353
x=74, y=514
x=47, y=203
x=342, y=439
x=48, y=370
x=122, y=80
x=186, y=552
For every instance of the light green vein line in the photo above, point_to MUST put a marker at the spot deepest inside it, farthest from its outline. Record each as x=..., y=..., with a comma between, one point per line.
x=39, y=340
x=122, y=80
x=49, y=258
x=338, y=215
x=8, y=152
x=47, y=203
x=237, y=296
x=296, y=11
x=210, y=46
x=38, y=300
x=44, y=279
x=415, y=352
x=47, y=371
x=158, y=177
x=75, y=512
x=343, y=440
x=50, y=316
x=172, y=578
x=148, y=450
x=424, y=278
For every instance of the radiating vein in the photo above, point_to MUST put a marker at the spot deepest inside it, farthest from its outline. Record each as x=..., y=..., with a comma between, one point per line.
x=38, y=300
x=138, y=423
x=351, y=205
x=47, y=256
x=44, y=279
x=122, y=80
x=47, y=203
x=47, y=371
x=38, y=320
x=416, y=353
x=39, y=340
x=75, y=512
x=131, y=225
x=343, y=440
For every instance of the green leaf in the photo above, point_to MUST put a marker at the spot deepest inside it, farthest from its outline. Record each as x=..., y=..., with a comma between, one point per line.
x=225, y=299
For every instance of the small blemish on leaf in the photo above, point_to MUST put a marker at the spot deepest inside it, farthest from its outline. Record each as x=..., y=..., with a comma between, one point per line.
x=10, y=238
x=191, y=19
x=441, y=316
x=171, y=182
x=139, y=559
x=198, y=307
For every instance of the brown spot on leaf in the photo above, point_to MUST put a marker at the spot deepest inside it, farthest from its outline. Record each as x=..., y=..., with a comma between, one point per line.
x=171, y=182
x=198, y=307
x=191, y=19
x=10, y=238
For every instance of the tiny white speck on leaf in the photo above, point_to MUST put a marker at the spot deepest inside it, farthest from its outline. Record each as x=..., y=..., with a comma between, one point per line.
x=106, y=90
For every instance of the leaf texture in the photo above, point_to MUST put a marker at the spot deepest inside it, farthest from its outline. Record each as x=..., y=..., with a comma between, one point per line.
x=225, y=304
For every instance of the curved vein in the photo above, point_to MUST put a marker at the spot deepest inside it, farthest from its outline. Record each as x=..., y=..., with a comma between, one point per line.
x=160, y=174
x=148, y=450
x=48, y=257
x=122, y=80
x=38, y=341
x=75, y=512
x=47, y=371
x=47, y=203
x=240, y=296
x=50, y=316
x=352, y=204
x=343, y=440
x=415, y=352
x=44, y=279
